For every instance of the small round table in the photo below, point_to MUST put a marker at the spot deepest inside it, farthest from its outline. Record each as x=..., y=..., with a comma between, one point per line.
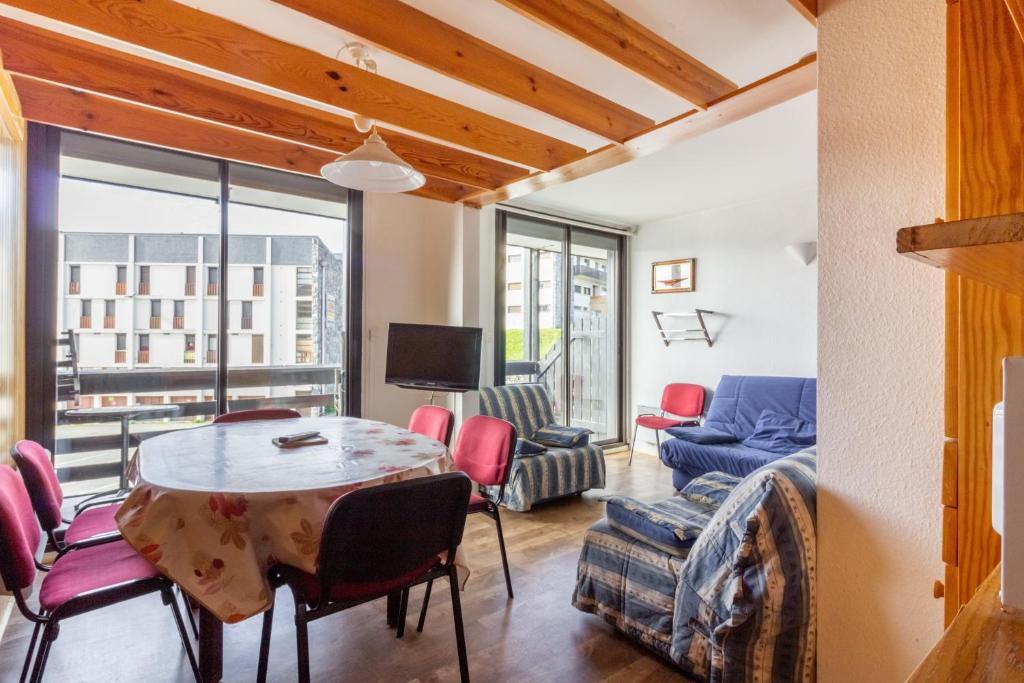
x=125, y=414
x=214, y=507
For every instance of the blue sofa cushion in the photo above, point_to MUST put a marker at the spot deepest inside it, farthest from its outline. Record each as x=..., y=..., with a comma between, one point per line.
x=670, y=525
x=689, y=460
x=527, y=447
x=781, y=434
x=739, y=401
x=710, y=489
x=560, y=436
x=703, y=435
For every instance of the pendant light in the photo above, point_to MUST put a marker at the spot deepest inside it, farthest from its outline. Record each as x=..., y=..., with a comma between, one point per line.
x=371, y=167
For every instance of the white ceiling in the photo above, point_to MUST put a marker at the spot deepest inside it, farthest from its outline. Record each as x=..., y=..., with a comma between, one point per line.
x=752, y=159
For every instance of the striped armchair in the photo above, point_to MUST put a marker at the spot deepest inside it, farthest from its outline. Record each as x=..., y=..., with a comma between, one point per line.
x=556, y=472
x=720, y=580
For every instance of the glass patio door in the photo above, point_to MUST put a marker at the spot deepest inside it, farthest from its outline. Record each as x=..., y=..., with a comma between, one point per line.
x=558, y=318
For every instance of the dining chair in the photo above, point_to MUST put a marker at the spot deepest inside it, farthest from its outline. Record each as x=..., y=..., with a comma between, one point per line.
x=90, y=521
x=93, y=575
x=257, y=414
x=433, y=422
x=684, y=400
x=366, y=555
x=484, y=451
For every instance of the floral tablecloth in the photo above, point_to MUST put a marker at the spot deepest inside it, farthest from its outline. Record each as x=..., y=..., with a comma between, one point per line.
x=214, y=507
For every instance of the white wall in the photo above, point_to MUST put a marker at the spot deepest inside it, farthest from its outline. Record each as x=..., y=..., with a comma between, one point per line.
x=881, y=135
x=410, y=256
x=765, y=298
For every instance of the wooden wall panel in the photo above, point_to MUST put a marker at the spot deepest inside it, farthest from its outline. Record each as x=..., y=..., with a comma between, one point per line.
x=12, y=267
x=991, y=322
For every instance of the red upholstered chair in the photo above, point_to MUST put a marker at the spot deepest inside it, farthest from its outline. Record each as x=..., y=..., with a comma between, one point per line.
x=44, y=490
x=82, y=580
x=379, y=541
x=684, y=400
x=484, y=451
x=433, y=422
x=258, y=414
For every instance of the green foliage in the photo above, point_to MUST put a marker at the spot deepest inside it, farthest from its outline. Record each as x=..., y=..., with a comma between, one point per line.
x=514, y=342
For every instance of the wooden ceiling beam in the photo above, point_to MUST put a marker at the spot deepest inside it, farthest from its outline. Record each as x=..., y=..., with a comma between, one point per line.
x=808, y=9
x=448, y=50
x=175, y=29
x=60, y=105
x=50, y=56
x=777, y=88
x=602, y=27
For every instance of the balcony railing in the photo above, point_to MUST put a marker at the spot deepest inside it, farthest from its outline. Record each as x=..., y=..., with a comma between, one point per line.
x=74, y=287
x=190, y=357
x=154, y=322
x=121, y=288
x=85, y=321
x=144, y=288
x=190, y=289
x=212, y=288
x=257, y=289
x=179, y=322
x=246, y=323
x=143, y=356
x=120, y=356
x=211, y=356
x=108, y=322
x=326, y=383
x=303, y=356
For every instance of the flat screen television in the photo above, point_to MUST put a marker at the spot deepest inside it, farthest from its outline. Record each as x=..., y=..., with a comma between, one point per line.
x=433, y=357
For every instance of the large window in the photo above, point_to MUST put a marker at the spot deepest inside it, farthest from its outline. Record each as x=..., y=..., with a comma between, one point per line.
x=559, y=318
x=270, y=249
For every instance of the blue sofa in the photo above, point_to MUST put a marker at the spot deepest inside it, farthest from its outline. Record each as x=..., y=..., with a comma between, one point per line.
x=751, y=422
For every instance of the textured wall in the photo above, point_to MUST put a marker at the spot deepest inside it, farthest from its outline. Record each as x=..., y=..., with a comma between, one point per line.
x=766, y=298
x=881, y=111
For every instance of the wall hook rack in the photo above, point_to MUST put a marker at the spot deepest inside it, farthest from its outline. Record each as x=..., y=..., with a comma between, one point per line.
x=674, y=334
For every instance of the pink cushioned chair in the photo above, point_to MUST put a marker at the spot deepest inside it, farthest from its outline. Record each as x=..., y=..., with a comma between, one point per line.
x=258, y=414
x=433, y=422
x=90, y=576
x=484, y=450
x=44, y=490
x=684, y=400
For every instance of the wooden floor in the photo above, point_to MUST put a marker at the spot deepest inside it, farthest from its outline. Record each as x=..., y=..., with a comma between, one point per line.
x=538, y=636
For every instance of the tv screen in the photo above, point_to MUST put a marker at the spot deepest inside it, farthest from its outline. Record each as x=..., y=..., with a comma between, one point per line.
x=437, y=357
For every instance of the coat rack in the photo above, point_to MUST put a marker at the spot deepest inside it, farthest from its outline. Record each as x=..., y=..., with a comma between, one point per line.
x=674, y=334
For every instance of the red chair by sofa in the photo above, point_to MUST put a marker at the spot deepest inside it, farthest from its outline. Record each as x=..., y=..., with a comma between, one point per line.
x=684, y=400
x=378, y=541
x=484, y=451
x=44, y=490
x=433, y=422
x=80, y=581
x=258, y=414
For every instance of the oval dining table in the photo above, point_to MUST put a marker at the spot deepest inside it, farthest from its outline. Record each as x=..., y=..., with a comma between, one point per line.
x=214, y=507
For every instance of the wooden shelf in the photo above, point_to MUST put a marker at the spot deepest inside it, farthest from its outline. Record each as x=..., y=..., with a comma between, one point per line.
x=990, y=250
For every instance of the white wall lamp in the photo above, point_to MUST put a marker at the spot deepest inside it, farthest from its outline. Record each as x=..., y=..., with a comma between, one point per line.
x=804, y=252
x=371, y=167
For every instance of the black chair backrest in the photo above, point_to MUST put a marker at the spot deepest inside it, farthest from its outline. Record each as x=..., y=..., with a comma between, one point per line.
x=384, y=532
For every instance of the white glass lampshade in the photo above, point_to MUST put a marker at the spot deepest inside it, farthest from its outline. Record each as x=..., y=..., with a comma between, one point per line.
x=373, y=167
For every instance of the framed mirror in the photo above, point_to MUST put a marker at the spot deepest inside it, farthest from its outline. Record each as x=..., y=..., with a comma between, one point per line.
x=669, y=277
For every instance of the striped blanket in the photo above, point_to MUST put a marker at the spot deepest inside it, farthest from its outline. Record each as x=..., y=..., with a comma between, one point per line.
x=741, y=606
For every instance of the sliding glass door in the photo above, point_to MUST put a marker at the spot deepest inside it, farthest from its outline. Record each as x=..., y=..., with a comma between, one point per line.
x=559, y=318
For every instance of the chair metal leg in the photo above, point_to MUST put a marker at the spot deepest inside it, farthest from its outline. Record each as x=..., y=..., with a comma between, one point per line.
x=403, y=606
x=501, y=546
x=172, y=601
x=460, y=636
x=302, y=644
x=632, y=445
x=49, y=635
x=657, y=440
x=189, y=612
x=31, y=651
x=268, y=625
x=423, y=608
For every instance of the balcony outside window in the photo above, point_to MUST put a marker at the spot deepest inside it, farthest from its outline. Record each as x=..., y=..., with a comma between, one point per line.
x=257, y=281
x=121, y=348
x=246, y=315
x=179, y=315
x=154, y=314
x=211, y=349
x=143, y=355
x=212, y=281
x=121, y=286
x=190, y=349
x=75, y=280
x=109, y=320
x=190, y=280
x=85, y=319
x=144, y=280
